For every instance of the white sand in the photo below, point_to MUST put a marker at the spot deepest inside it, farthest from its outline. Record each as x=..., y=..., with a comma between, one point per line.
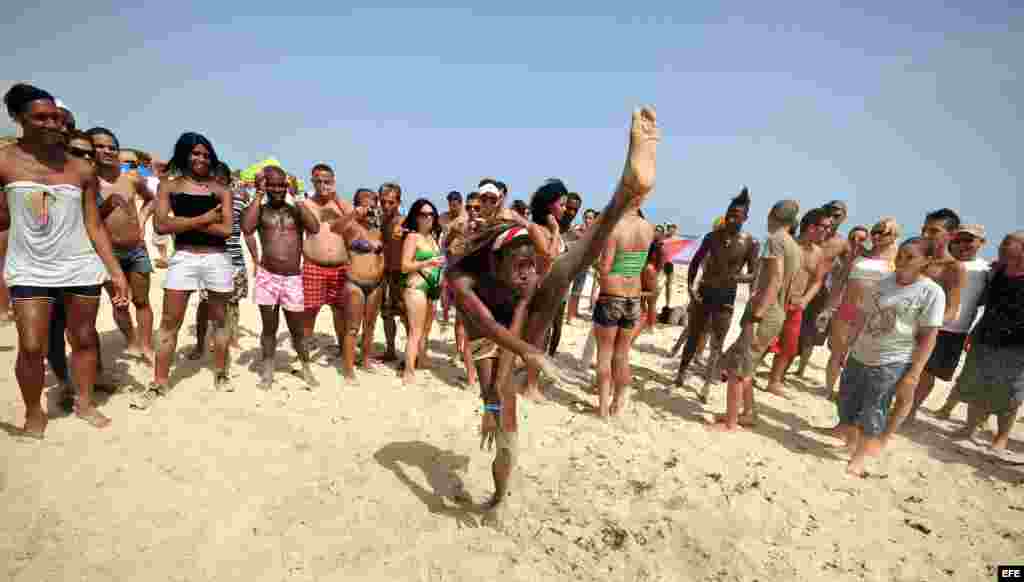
x=357, y=483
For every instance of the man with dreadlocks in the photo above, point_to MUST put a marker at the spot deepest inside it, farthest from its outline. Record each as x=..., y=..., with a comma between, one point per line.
x=723, y=253
x=508, y=308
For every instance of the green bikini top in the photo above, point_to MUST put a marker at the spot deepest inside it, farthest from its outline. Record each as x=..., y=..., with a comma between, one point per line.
x=629, y=263
x=422, y=255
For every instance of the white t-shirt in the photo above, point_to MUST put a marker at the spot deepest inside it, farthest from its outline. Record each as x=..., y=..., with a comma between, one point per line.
x=894, y=313
x=978, y=273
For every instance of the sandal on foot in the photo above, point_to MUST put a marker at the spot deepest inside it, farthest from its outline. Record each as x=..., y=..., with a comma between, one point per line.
x=223, y=384
x=145, y=399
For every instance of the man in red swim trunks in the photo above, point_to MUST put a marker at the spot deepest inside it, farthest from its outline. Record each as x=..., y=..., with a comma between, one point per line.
x=325, y=256
x=809, y=280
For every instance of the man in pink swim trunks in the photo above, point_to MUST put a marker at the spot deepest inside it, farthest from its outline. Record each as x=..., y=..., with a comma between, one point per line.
x=279, y=275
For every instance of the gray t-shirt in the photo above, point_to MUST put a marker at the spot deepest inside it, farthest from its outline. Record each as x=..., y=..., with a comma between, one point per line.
x=893, y=315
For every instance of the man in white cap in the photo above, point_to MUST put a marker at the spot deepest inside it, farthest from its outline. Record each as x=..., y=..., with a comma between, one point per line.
x=965, y=245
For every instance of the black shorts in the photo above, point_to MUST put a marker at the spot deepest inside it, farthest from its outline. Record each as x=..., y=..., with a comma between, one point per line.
x=669, y=268
x=53, y=294
x=711, y=297
x=613, y=311
x=946, y=356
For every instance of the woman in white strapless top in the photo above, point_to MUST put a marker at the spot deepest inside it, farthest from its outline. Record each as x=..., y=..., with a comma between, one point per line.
x=861, y=279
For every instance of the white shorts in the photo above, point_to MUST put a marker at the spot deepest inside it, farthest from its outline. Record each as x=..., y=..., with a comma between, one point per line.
x=158, y=239
x=188, y=271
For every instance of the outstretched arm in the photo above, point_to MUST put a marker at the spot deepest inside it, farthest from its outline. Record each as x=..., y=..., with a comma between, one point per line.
x=481, y=318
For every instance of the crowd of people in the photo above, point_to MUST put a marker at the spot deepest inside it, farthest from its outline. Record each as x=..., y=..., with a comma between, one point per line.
x=894, y=314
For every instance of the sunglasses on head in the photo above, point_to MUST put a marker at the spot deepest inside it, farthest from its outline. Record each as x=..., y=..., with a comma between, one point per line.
x=80, y=153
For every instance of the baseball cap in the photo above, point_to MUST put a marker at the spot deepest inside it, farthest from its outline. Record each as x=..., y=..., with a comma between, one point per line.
x=836, y=205
x=975, y=230
x=454, y=196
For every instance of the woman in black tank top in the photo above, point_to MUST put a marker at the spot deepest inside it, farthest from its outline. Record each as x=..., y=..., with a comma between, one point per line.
x=201, y=225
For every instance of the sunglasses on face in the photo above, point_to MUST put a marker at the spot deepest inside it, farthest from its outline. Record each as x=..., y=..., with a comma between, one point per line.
x=133, y=164
x=80, y=153
x=472, y=208
x=426, y=213
x=490, y=199
x=880, y=232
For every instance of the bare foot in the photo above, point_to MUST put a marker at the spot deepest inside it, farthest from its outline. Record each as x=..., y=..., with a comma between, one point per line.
x=266, y=375
x=616, y=408
x=535, y=395
x=196, y=353
x=679, y=380
x=408, y=377
x=722, y=426
x=776, y=389
x=746, y=419
x=944, y=413
x=856, y=467
x=93, y=417
x=35, y=425
x=639, y=173
x=546, y=365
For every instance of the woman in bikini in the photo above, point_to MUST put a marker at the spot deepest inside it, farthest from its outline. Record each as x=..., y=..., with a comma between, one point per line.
x=861, y=277
x=421, y=278
x=366, y=272
x=618, y=306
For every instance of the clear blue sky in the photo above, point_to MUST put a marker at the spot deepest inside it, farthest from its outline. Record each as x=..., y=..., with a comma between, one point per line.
x=899, y=107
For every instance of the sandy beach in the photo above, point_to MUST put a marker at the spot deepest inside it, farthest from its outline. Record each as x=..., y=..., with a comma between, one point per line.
x=383, y=481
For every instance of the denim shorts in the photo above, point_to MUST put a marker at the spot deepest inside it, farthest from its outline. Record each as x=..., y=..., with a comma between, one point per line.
x=134, y=261
x=866, y=393
x=613, y=311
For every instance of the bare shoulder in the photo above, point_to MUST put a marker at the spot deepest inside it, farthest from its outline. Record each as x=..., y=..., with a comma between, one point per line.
x=8, y=154
x=345, y=205
x=82, y=170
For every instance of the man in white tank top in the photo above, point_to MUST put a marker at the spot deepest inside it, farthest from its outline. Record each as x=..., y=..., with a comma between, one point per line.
x=965, y=247
x=58, y=251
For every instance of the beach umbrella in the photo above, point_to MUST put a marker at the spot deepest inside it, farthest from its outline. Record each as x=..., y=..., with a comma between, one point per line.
x=679, y=251
x=249, y=174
